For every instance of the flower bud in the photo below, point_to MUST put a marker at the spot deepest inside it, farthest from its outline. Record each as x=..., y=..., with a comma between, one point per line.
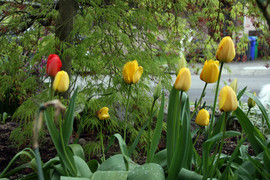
x=103, y=113
x=182, y=64
x=227, y=99
x=157, y=91
x=61, y=81
x=183, y=80
x=202, y=118
x=54, y=65
x=132, y=72
x=251, y=102
x=225, y=52
x=234, y=85
x=210, y=71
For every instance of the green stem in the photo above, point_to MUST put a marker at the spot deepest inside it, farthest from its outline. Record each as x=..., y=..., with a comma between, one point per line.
x=64, y=149
x=178, y=123
x=248, y=110
x=199, y=133
x=149, y=130
x=215, y=101
x=220, y=146
x=101, y=139
x=199, y=102
x=125, y=128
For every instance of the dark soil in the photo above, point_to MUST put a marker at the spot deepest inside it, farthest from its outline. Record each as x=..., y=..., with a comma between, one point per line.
x=47, y=150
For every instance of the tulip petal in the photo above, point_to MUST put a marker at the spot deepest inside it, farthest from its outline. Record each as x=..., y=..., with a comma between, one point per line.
x=137, y=75
x=222, y=98
x=126, y=75
x=183, y=80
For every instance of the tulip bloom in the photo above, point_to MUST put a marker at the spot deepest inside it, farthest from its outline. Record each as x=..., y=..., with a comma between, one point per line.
x=132, y=72
x=54, y=65
x=251, y=102
x=225, y=52
x=61, y=81
x=210, y=71
x=103, y=113
x=183, y=80
x=202, y=118
x=227, y=99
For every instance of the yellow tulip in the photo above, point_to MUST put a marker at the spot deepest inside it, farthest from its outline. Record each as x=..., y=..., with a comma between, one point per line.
x=225, y=52
x=132, y=72
x=183, y=80
x=234, y=85
x=61, y=81
x=103, y=113
x=251, y=102
x=210, y=71
x=227, y=99
x=202, y=118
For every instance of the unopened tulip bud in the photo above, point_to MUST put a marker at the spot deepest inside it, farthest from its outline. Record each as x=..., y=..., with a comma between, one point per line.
x=226, y=51
x=157, y=91
x=210, y=71
x=54, y=65
x=202, y=118
x=183, y=80
x=61, y=81
x=182, y=64
x=227, y=99
x=251, y=102
x=234, y=85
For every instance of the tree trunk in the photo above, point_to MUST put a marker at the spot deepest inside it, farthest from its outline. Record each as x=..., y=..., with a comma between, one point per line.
x=64, y=25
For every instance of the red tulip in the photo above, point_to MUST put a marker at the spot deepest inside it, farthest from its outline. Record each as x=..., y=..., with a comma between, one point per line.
x=54, y=65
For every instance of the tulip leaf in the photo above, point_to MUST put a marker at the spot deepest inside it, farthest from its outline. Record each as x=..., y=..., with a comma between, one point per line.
x=250, y=130
x=148, y=171
x=240, y=93
x=157, y=132
x=69, y=117
x=116, y=163
x=233, y=156
x=181, y=152
x=63, y=150
x=122, y=144
x=161, y=158
x=188, y=175
x=82, y=168
x=173, y=107
x=110, y=175
x=136, y=141
x=261, y=107
x=77, y=150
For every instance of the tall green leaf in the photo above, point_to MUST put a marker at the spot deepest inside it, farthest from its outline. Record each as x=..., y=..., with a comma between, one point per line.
x=69, y=117
x=181, y=151
x=252, y=132
x=62, y=149
x=171, y=123
x=148, y=171
x=157, y=132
